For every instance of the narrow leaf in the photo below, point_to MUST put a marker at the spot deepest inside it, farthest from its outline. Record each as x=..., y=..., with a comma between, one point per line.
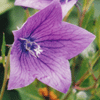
x=88, y=17
x=3, y=50
x=98, y=32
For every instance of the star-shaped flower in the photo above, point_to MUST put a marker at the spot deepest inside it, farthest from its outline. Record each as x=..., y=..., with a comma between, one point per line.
x=41, y=48
x=66, y=5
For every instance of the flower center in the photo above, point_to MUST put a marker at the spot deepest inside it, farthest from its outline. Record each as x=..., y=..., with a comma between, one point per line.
x=32, y=47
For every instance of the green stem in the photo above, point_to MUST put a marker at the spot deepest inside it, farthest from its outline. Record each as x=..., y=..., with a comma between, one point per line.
x=5, y=77
x=90, y=87
x=73, y=69
x=79, y=12
x=82, y=18
x=27, y=13
x=82, y=78
x=67, y=95
x=92, y=63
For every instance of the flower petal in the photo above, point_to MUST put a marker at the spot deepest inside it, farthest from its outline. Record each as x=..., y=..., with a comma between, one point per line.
x=44, y=19
x=20, y=72
x=67, y=40
x=40, y=4
x=67, y=6
x=37, y=4
x=53, y=71
x=56, y=72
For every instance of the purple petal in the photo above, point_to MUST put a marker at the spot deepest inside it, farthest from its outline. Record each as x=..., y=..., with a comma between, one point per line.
x=24, y=68
x=43, y=20
x=67, y=6
x=56, y=72
x=40, y=4
x=67, y=40
x=37, y=4
x=20, y=71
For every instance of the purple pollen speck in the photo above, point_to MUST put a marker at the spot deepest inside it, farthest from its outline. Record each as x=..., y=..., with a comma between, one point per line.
x=42, y=47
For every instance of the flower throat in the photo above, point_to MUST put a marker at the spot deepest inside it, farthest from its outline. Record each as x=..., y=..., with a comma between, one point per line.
x=32, y=47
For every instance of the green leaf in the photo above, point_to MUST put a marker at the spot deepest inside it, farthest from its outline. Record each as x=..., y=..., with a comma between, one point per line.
x=96, y=67
x=87, y=4
x=5, y=6
x=0, y=59
x=86, y=83
x=94, y=59
x=16, y=17
x=83, y=68
x=95, y=97
x=98, y=32
x=29, y=93
x=88, y=18
x=11, y=95
x=3, y=50
x=98, y=92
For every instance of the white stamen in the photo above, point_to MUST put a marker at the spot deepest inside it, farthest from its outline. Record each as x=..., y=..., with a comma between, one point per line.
x=38, y=50
x=23, y=39
x=66, y=1
x=32, y=53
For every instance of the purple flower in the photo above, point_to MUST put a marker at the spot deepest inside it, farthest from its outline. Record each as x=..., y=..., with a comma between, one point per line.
x=41, y=48
x=40, y=4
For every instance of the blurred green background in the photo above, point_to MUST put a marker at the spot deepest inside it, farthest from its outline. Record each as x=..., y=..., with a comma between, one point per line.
x=87, y=62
